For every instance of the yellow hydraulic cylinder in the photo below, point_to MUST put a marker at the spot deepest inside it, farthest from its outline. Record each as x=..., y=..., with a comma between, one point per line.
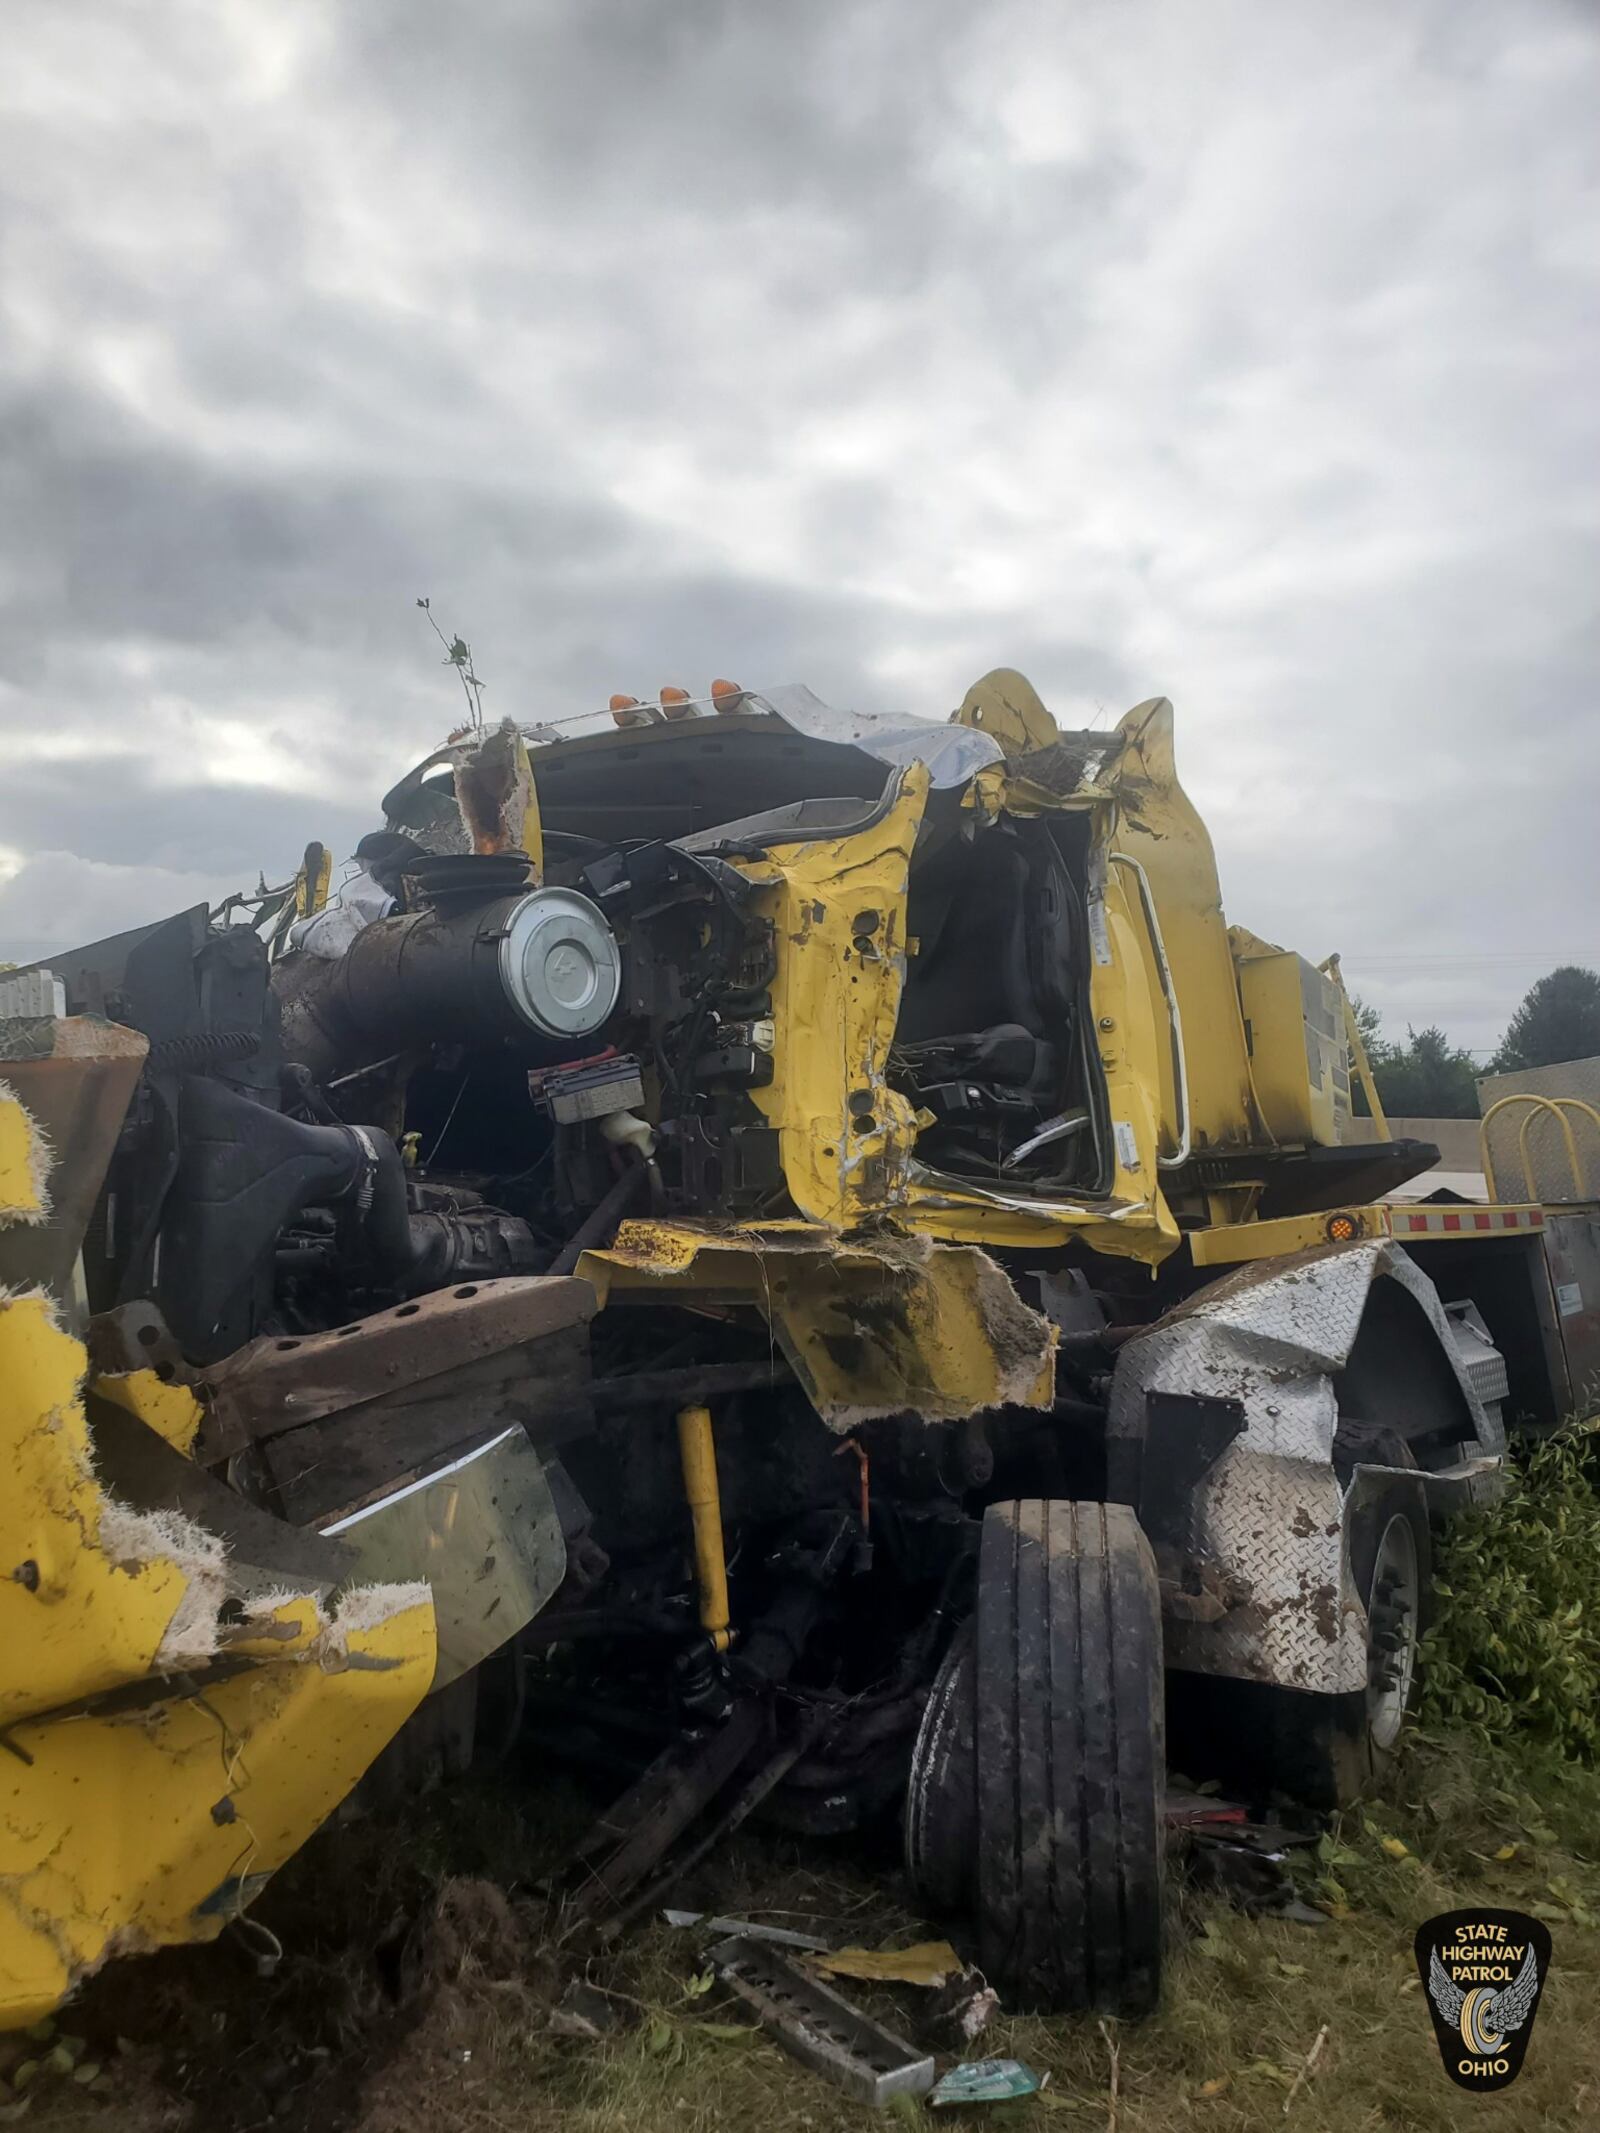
x=697, y=1449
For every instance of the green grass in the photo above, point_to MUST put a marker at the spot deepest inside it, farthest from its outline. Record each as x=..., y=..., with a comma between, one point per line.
x=1514, y=1654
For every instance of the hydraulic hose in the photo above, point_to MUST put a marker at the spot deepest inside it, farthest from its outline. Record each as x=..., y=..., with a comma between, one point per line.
x=600, y=1227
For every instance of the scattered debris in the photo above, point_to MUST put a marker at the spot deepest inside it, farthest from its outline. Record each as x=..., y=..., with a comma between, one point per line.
x=1307, y=2064
x=628, y=1843
x=1247, y=1864
x=963, y=2009
x=1250, y=1881
x=987, y=2081
x=929, y=1962
x=750, y=1929
x=1268, y=1840
x=584, y=2011
x=1197, y=1810
x=820, y=2027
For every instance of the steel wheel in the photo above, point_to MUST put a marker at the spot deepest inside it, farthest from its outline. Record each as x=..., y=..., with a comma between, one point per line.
x=1393, y=1610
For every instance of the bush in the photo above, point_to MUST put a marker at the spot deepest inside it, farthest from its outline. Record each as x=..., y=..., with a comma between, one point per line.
x=1514, y=1650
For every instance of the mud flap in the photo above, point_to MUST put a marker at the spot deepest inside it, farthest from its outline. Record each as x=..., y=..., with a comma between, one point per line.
x=1268, y=1519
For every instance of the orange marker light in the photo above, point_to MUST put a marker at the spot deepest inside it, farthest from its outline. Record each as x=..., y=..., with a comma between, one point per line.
x=727, y=696
x=628, y=711
x=676, y=703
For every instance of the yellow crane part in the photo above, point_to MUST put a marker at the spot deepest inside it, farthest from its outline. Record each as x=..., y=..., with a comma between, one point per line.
x=697, y=1449
x=169, y=1732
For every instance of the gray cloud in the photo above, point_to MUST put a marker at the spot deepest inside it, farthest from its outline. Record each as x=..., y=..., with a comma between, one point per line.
x=1236, y=353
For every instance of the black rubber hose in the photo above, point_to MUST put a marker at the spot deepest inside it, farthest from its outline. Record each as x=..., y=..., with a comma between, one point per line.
x=601, y=1226
x=386, y=1219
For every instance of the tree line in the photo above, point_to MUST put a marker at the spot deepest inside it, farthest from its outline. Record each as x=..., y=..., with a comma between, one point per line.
x=1429, y=1077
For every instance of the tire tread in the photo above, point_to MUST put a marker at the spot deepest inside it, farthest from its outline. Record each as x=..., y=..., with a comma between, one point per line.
x=1069, y=1764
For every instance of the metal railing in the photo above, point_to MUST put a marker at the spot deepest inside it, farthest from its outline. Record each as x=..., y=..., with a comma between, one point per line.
x=1556, y=1107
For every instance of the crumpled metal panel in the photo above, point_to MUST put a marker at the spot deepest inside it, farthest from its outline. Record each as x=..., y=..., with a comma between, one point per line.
x=484, y=1532
x=132, y=1814
x=871, y=1325
x=952, y=754
x=1269, y=1519
x=175, y=1725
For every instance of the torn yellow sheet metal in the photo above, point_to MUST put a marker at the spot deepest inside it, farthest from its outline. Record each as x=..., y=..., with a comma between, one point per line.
x=123, y=1832
x=838, y=910
x=121, y=1835
x=172, y=1411
x=92, y=1596
x=1132, y=1228
x=1006, y=706
x=24, y=1163
x=927, y=1962
x=871, y=1326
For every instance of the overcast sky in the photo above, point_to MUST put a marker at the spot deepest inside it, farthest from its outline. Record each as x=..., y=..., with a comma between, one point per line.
x=1242, y=353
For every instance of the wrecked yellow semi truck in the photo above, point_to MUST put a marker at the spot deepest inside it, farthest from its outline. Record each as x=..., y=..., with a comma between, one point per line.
x=809, y=1234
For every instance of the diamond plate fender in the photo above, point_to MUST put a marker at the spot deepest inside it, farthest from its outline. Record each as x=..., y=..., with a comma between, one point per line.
x=1268, y=1524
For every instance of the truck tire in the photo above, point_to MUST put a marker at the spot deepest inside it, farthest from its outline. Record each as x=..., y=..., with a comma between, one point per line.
x=1037, y=1783
x=942, y=1792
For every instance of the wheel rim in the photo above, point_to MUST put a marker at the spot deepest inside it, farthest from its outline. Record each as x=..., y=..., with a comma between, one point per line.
x=1392, y=1631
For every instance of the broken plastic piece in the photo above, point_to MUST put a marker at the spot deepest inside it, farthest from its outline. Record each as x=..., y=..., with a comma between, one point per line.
x=987, y=2081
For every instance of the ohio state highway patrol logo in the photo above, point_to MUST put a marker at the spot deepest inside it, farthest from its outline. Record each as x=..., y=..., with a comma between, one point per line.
x=1483, y=1972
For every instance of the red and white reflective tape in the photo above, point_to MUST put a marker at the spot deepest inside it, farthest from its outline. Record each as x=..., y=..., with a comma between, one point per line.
x=1461, y=1221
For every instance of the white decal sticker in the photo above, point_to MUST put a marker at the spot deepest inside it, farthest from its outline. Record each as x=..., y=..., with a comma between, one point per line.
x=1127, y=1144
x=1099, y=931
x=1569, y=1297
